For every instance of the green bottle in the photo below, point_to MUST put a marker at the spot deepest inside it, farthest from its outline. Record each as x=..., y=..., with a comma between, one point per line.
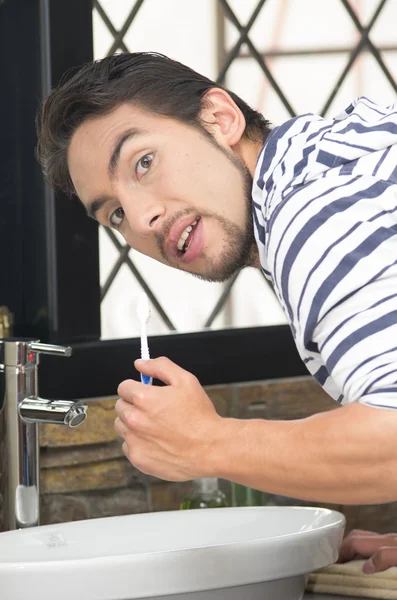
x=245, y=496
x=206, y=494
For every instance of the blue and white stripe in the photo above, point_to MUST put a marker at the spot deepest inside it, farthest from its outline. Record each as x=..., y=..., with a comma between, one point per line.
x=325, y=217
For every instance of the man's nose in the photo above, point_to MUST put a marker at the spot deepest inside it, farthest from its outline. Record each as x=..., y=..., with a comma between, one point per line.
x=144, y=214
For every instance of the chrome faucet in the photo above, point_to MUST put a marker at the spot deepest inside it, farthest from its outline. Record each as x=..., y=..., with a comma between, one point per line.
x=20, y=412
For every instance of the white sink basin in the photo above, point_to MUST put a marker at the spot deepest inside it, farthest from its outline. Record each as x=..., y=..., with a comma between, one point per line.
x=254, y=553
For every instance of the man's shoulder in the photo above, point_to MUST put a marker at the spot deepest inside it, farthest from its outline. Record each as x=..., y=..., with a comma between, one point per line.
x=306, y=148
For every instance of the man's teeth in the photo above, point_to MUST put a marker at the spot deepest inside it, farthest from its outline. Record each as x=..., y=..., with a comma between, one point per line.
x=185, y=235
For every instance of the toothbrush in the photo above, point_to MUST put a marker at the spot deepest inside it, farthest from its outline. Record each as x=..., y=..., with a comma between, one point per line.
x=143, y=314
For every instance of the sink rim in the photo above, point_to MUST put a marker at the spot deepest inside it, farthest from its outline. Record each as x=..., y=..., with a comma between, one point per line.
x=338, y=520
x=153, y=574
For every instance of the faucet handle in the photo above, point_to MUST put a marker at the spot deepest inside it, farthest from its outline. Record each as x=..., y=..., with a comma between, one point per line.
x=23, y=352
x=49, y=349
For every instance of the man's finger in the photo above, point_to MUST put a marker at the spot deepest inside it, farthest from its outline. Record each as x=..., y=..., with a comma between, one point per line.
x=346, y=549
x=120, y=428
x=163, y=369
x=125, y=412
x=360, y=545
x=361, y=532
x=384, y=558
x=132, y=391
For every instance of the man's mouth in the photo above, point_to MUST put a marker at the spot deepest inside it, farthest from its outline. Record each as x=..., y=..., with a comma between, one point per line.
x=186, y=237
x=185, y=240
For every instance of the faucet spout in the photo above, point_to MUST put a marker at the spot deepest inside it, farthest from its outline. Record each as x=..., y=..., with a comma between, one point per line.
x=63, y=412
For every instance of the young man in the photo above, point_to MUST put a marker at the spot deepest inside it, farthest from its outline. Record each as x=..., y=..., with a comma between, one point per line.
x=193, y=177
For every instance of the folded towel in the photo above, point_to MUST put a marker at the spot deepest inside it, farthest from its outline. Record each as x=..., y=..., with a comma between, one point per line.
x=348, y=579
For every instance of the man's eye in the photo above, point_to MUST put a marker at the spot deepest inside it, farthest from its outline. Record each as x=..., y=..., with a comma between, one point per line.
x=143, y=165
x=116, y=218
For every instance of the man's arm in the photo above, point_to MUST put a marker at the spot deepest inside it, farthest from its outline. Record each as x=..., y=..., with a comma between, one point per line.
x=334, y=266
x=345, y=456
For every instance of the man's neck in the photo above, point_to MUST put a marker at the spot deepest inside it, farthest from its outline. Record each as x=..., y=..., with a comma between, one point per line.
x=248, y=151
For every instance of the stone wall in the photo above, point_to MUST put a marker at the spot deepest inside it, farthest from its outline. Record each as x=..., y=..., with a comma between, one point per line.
x=84, y=473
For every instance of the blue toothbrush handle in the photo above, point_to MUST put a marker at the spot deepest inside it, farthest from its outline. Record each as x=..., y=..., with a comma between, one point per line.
x=146, y=379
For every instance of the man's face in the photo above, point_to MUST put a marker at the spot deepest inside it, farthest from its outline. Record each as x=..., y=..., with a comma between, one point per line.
x=172, y=193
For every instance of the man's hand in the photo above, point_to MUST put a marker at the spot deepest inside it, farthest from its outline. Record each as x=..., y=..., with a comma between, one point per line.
x=380, y=549
x=168, y=431
x=173, y=432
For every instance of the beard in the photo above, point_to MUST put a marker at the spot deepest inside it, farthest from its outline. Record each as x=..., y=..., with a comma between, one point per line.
x=238, y=248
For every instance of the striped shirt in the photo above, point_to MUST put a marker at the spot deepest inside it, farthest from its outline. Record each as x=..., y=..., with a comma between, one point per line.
x=325, y=217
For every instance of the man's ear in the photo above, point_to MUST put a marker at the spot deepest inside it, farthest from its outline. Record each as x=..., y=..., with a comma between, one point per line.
x=222, y=117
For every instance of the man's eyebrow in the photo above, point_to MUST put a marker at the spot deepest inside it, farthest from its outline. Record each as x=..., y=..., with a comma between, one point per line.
x=93, y=207
x=119, y=143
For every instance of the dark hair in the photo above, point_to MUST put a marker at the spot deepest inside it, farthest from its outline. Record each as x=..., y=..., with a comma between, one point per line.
x=150, y=80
